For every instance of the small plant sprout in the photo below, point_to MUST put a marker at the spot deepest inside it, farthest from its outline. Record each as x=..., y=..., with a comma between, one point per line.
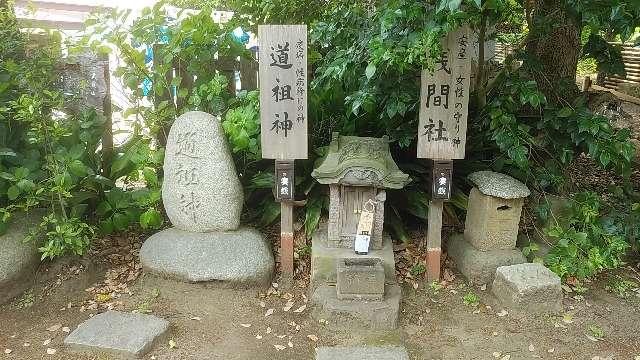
x=435, y=286
x=471, y=299
x=418, y=269
x=596, y=331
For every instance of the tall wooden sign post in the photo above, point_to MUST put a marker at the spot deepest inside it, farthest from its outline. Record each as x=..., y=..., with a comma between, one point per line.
x=283, y=119
x=442, y=130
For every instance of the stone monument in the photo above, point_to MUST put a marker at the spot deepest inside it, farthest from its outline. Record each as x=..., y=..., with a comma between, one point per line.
x=203, y=198
x=345, y=285
x=491, y=227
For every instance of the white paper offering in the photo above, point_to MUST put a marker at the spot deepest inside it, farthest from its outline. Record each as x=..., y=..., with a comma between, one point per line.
x=361, y=244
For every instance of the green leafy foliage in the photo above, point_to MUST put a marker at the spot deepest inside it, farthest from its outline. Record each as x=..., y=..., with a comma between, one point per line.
x=588, y=243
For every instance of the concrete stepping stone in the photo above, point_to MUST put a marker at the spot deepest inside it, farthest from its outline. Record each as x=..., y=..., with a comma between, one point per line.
x=362, y=353
x=122, y=334
x=528, y=287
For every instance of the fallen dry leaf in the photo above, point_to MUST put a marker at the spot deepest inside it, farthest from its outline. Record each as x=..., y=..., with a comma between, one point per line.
x=258, y=336
x=288, y=306
x=172, y=344
x=496, y=354
x=66, y=329
x=7, y=351
x=245, y=325
x=290, y=344
x=268, y=330
x=567, y=319
x=46, y=342
x=300, y=309
x=51, y=351
x=269, y=312
x=532, y=348
x=312, y=337
x=502, y=313
x=196, y=318
x=551, y=350
x=55, y=327
x=279, y=347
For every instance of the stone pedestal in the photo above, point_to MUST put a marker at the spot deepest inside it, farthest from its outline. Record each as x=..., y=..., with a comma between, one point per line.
x=528, y=288
x=360, y=279
x=324, y=259
x=348, y=303
x=379, y=315
x=479, y=267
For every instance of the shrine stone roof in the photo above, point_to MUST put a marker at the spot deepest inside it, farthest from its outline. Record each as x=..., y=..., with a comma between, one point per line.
x=360, y=161
x=499, y=185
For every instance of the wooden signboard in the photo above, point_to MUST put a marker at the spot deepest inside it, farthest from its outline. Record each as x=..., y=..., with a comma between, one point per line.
x=444, y=100
x=283, y=91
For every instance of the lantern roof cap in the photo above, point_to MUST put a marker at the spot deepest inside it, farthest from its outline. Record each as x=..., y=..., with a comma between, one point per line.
x=499, y=185
x=360, y=161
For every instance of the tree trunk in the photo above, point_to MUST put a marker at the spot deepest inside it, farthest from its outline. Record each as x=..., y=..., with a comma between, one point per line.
x=553, y=44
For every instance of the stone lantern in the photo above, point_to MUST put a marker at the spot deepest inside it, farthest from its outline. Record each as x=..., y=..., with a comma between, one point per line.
x=491, y=227
x=357, y=170
x=494, y=209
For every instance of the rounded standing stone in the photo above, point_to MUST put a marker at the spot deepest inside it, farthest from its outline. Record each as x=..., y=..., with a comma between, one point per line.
x=201, y=190
x=18, y=259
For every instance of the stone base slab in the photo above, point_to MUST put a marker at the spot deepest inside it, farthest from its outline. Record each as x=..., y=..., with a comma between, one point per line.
x=121, y=334
x=361, y=353
x=238, y=258
x=479, y=267
x=530, y=288
x=324, y=260
x=357, y=313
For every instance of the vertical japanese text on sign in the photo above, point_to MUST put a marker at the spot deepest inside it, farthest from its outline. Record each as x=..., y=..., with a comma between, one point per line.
x=444, y=100
x=283, y=91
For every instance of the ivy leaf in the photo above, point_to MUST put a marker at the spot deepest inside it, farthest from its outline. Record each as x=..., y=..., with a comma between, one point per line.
x=565, y=112
x=605, y=158
x=151, y=219
x=13, y=192
x=370, y=71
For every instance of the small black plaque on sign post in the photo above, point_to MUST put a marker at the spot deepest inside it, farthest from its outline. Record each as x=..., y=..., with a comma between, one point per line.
x=441, y=180
x=285, y=180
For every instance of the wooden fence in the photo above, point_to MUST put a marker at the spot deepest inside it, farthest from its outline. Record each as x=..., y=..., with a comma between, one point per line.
x=631, y=59
x=244, y=69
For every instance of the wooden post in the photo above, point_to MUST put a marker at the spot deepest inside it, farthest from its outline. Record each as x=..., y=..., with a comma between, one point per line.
x=283, y=119
x=107, y=134
x=434, y=240
x=442, y=131
x=286, y=244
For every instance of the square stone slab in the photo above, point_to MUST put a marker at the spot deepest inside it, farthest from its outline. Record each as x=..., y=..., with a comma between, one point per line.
x=529, y=288
x=362, y=353
x=355, y=314
x=122, y=334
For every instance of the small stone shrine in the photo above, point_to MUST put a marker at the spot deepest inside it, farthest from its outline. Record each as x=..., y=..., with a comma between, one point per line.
x=357, y=287
x=491, y=227
x=203, y=198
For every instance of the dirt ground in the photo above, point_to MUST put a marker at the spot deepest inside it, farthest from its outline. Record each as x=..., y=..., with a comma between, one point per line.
x=209, y=322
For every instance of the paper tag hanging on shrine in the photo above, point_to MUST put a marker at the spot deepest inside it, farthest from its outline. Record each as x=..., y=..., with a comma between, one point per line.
x=365, y=227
